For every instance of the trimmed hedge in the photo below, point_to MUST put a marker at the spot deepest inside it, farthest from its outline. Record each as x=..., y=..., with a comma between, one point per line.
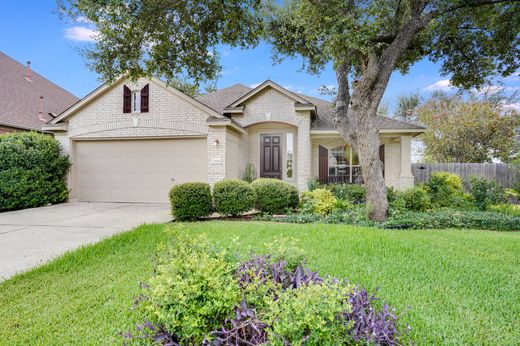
x=32, y=172
x=454, y=219
x=274, y=196
x=191, y=201
x=233, y=197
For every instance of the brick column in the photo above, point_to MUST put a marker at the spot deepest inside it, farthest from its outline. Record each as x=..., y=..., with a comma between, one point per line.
x=406, y=179
x=216, y=154
x=303, y=152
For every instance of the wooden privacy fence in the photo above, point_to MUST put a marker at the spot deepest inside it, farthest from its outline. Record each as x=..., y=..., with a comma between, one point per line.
x=506, y=175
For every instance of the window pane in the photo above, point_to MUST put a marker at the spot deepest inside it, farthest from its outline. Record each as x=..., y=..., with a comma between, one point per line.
x=339, y=163
x=289, y=155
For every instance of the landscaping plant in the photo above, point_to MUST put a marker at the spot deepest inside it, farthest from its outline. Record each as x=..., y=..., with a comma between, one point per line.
x=319, y=202
x=32, y=172
x=275, y=196
x=416, y=199
x=204, y=295
x=233, y=197
x=485, y=192
x=190, y=201
x=445, y=190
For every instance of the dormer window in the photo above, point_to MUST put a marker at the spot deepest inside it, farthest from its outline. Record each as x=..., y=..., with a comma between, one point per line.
x=136, y=102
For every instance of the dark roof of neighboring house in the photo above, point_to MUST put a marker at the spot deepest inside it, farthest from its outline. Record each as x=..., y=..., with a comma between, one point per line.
x=20, y=98
x=222, y=98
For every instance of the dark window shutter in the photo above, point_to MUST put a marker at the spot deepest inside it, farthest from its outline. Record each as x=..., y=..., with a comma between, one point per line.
x=323, y=165
x=382, y=156
x=127, y=100
x=144, y=98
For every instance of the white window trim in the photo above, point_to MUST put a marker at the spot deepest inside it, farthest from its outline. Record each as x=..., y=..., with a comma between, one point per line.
x=350, y=166
x=136, y=101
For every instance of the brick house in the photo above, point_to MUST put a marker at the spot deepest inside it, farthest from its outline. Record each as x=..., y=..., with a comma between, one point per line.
x=28, y=100
x=131, y=141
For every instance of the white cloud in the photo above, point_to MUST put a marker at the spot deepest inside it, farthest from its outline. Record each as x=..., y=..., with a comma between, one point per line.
x=296, y=89
x=81, y=34
x=254, y=85
x=441, y=85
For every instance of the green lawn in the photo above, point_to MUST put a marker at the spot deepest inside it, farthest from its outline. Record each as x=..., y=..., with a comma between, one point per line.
x=455, y=287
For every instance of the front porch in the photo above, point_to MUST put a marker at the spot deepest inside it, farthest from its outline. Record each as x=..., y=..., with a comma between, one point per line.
x=334, y=161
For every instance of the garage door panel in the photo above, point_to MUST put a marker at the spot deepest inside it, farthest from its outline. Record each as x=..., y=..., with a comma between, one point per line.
x=136, y=170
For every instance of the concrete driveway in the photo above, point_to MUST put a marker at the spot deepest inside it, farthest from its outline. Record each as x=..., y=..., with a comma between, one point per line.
x=33, y=236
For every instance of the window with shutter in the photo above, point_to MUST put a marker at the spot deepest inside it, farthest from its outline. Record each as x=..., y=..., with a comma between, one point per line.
x=127, y=100
x=144, y=98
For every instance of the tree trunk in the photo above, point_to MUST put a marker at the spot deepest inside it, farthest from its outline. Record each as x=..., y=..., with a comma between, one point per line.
x=357, y=125
x=367, y=147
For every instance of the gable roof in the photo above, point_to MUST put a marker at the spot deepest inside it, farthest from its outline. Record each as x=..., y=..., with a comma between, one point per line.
x=267, y=84
x=106, y=86
x=219, y=100
x=20, y=98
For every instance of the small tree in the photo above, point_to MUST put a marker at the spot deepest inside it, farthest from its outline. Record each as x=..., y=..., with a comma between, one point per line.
x=467, y=130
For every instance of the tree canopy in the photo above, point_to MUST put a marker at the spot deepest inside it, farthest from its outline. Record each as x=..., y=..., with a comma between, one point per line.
x=471, y=130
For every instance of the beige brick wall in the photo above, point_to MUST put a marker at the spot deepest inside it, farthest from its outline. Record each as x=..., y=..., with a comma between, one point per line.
x=236, y=154
x=169, y=115
x=392, y=156
x=273, y=112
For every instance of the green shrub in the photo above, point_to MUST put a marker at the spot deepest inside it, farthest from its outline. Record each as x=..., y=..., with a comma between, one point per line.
x=233, y=197
x=445, y=190
x=249, y=174
x=416, y=199
x=485, y=192
x=309, y=315
x=506, y=209
x=313, y=184
x=193, y=289
x=190, y=201
x=350, y=192
x=275, y=196
x=32, y=172
x=319, y=201
x=454, y=219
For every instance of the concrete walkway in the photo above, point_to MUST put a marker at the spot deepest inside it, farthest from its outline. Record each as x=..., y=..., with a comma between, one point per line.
x=33, y=236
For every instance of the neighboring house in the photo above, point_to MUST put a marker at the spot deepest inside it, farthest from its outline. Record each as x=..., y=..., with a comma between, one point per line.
x=28, y=100
x=131, y=141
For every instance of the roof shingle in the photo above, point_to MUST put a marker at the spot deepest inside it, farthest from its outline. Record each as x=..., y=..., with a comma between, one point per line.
x=219, y=99
x=20, y=98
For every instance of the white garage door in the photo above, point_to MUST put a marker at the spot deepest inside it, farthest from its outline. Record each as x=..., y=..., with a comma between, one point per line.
x=136, y=170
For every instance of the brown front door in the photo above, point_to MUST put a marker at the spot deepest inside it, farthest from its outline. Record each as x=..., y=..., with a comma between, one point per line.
x=270, y=157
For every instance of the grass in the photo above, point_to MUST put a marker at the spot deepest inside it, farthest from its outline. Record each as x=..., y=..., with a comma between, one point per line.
x=453, y=287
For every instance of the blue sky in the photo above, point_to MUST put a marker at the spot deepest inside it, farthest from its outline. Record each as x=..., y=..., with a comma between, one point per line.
x=32, y=30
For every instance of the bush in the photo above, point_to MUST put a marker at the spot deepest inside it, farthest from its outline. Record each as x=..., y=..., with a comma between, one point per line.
x=349, y=192
x=193, y=290
x=310, y=315
x=203, y=295
x=416, y=199
x=313, y=184
x=249, y=174
x=506, y=209
x=32, y=172
x=485, y=192
x=319, y=201
x=190, y=201
x=454, y=219
x=233, y=197
x=445, y=190
x=275, y=196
